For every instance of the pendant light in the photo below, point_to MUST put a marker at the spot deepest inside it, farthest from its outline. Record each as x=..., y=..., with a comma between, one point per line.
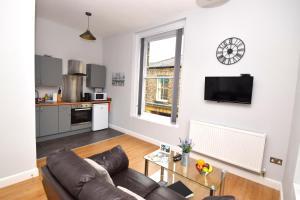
x=210, y=3
x=87, y=35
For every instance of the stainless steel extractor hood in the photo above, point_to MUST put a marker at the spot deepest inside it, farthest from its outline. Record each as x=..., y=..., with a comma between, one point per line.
x=76, y=67
x=73, y=81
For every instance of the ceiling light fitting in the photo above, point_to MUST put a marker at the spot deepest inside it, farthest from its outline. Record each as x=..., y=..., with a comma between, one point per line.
x=210, y=3
x=87, y=35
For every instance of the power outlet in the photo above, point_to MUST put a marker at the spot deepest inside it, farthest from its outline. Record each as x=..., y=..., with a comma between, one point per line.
x=276, y=161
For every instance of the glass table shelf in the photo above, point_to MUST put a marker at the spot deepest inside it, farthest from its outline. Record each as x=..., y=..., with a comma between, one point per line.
x=213, y=181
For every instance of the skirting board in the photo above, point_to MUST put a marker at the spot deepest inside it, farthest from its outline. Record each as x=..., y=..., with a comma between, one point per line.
x=16, y=178
x=134, y=134
x=234, y=170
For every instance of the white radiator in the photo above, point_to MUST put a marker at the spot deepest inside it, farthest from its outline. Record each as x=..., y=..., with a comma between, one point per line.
x=238, y=147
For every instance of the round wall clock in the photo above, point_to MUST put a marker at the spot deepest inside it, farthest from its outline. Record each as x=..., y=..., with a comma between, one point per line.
x=230, y=51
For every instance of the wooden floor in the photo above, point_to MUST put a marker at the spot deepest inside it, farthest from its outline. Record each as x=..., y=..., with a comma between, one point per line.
x=241, y=188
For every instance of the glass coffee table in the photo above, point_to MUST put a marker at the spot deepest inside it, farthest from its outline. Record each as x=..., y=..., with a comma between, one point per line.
x=214, y=181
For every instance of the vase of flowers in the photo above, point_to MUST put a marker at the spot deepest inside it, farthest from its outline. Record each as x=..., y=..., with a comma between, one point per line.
x=186, y=147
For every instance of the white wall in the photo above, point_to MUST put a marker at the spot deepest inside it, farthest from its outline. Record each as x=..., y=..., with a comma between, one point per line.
x=296, y=140
x=64, y=42
x=292, y=170
x=17, y=121
x=270, y=32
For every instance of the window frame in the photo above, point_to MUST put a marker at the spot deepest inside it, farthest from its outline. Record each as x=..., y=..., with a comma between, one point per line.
x=144, y=43
x=137, y=57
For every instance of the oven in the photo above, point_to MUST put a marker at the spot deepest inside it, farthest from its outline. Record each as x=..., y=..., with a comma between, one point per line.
x=81, y=113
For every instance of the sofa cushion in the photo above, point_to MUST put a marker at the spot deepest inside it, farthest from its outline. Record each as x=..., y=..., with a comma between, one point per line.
x=164, y=193
x=97, y=189
x=70, y=170
x=135, y=181
x=102, y=172
x=114, y=160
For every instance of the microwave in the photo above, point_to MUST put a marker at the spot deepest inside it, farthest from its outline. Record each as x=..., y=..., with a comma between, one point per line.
x=99, y=96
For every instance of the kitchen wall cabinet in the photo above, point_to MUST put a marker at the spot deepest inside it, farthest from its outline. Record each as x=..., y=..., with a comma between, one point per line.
x=48, y=120
x=48, y=71
x=96, y=76
x=37, y=71
x=37, y=121
x=64, y=116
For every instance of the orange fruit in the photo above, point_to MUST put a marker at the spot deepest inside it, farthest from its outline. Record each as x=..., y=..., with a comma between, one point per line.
x=199, y=167
x=201, y=162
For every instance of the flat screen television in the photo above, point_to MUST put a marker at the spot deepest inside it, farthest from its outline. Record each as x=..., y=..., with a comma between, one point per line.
x=235, y=89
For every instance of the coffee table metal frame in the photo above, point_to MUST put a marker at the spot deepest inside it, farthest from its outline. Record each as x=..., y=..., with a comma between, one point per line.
x=212, y=189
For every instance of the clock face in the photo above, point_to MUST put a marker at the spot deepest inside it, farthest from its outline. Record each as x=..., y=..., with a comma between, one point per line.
x=230, y=51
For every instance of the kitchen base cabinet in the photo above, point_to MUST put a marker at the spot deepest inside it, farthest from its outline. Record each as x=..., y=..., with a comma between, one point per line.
x=62, y=135
x=64, y=116
x=54, y=121
x=48, y=120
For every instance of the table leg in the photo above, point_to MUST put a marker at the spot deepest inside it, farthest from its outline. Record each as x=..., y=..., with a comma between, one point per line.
x=162, y=170
x=222, y=185
x=212, y=191
x=146, y=167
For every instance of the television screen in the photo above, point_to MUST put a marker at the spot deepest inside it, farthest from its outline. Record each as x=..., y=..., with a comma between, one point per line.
x=229, y=89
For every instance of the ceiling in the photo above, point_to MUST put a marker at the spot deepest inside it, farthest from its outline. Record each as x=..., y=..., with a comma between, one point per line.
x=111, y=16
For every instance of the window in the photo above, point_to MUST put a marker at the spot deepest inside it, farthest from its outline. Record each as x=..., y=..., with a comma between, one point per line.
x=160, y=57
x=162, y=87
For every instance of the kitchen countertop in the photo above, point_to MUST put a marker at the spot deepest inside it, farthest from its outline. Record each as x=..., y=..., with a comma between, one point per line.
x=71, y=103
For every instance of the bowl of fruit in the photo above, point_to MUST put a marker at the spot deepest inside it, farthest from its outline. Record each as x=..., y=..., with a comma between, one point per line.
x=203, y=167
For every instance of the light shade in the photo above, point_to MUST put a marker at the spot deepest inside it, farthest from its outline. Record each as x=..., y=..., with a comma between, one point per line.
x=87, y=35
x=210, y=3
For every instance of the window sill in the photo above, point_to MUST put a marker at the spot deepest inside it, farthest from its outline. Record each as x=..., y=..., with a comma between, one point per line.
x=156, y=119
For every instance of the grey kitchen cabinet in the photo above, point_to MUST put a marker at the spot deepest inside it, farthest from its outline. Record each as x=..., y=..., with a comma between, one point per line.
x=48, y=120
x=64, y=117
x=37, y=71
x=37, y=121
x=48, y=71
x=96, y=76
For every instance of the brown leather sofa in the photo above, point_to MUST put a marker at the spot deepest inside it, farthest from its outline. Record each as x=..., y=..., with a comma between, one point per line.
x=68, y=177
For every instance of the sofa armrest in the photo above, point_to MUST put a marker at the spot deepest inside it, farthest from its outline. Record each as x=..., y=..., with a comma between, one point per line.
x=54, y=190
x=71, y=171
